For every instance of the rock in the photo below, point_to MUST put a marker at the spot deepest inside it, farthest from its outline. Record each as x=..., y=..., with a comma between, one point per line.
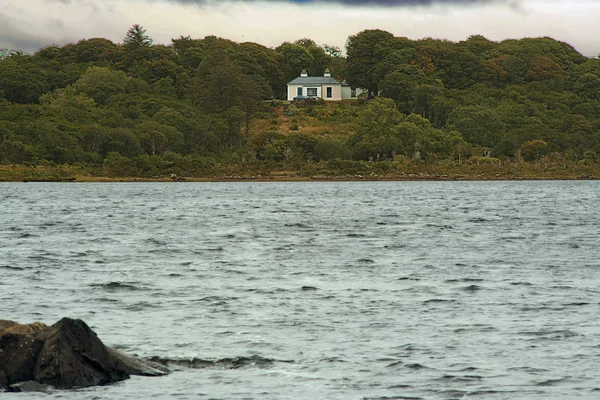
x=65, y=355
x=73, y=356
x=3, y=380
x=28, y=386
x=137, y=367
x=5, y=324
x=22, y=329
x=18, y=356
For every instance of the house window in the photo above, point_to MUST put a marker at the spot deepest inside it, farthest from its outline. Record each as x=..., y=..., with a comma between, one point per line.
x=352, y=92
x=299, y=91
x=311, y=92
x=329, y=92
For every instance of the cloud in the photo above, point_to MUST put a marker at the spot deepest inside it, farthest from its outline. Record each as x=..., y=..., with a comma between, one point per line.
x=32, y=24
x=12, y=36
x=365, y=3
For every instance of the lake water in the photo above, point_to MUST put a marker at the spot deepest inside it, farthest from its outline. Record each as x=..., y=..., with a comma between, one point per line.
x=343, y=290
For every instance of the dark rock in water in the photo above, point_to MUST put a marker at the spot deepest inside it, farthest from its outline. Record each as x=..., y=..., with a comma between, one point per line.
x=28, y=386
x=65, y=355
x=3, y=380
x=73, y=356
x=139, y=367
x=18, y=356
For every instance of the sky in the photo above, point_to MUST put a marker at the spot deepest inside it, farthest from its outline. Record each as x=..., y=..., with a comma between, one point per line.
x=32, y=24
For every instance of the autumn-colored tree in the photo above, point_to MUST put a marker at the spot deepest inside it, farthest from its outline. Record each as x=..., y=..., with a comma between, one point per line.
x=533, y=149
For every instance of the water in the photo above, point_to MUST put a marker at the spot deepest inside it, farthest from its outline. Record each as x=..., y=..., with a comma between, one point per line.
x=364, y=290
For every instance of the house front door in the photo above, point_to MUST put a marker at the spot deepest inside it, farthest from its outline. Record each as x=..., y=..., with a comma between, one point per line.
x=299, y=91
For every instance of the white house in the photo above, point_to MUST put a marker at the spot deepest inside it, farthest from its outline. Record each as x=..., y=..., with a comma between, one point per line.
x=325, y=87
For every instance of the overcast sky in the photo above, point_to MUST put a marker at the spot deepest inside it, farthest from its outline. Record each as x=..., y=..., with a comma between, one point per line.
x=31, y=24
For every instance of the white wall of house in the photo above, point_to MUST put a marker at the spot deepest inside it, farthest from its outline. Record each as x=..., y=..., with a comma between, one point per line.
x=321, y=91
x=347, y=92
x=336, y=92
x=293, y=91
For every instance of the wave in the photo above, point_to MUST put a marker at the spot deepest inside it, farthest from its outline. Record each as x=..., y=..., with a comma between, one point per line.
x=472, y=288
x=297, y=225
x=463, y=280
x=415, y=366
x=366, y=261
x=438, y=301
x=12, y=267
x=551, y=334
x=551, y=382
x=221, y=363
x=27, y=235
x=116, y=286
x=460, y=378
x=393, y=398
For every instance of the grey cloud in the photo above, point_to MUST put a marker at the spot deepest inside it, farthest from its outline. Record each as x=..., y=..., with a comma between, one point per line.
x=12, y=37
x=27, y=44
x=82, y=3
x=56, y=24
x=381, y=3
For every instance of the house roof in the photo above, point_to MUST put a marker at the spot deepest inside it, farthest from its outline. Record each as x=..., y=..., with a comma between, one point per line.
x=315, y=80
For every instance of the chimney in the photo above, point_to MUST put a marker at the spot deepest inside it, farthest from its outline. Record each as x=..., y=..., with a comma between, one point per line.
x=327, y=73
x=304, y=74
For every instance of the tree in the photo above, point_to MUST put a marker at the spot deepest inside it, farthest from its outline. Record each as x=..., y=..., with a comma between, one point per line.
x=136, y=38
x=478, y=45
x=477, y=124
x=267, y=60
x=332, y=51
x=397, y=60
x=365, y=50
x=399, y=85
x=588, y=85
x=95, y=50
x=543, y=68
x=330, y=149
x=293, y=58
x=157, y=138
x=101, y=83
x=154, y=69
x=533, y=149
x=217, y=83
x=320, y=59
x=376, y=129
x=459, y=68
x=21, y=80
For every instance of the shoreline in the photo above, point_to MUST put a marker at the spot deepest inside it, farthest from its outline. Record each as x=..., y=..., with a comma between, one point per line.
x=373, y=172
x=483, y=178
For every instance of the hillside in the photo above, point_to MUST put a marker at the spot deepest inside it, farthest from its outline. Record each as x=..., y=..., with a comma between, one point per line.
x=208, y=108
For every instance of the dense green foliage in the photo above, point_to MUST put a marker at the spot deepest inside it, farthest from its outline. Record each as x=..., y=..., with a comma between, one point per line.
x=142, y=109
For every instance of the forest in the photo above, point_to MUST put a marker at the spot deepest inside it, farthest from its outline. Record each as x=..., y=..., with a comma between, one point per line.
x=214, y=108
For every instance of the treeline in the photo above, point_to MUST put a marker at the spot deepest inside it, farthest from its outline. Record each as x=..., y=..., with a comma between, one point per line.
x=138, y=108
x=515, y=98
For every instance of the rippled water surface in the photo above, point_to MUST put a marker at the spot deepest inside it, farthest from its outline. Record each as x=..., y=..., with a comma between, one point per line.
x=364, y=290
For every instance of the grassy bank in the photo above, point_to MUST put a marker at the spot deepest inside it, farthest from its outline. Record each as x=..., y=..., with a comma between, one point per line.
x=335, y=170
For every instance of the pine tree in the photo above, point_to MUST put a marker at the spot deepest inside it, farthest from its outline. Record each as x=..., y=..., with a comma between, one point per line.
x=136, y=37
